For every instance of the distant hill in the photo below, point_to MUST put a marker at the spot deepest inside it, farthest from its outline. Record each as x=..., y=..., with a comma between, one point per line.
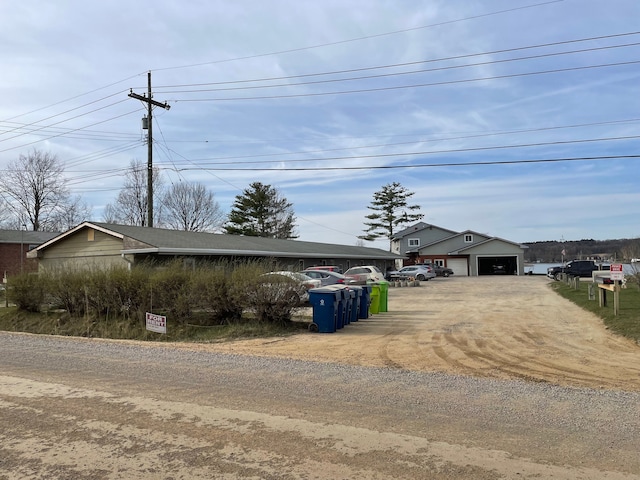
x=605, y=250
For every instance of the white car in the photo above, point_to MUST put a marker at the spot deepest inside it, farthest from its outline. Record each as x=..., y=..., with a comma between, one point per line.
x=364, y=274
x=419, y=272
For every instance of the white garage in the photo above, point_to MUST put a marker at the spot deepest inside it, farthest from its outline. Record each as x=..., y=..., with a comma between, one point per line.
x=459, y=266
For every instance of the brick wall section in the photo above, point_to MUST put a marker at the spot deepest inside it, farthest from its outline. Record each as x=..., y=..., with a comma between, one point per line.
x=10, y=259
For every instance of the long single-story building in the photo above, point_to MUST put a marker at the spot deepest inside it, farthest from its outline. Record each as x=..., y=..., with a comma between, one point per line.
x=104, y=245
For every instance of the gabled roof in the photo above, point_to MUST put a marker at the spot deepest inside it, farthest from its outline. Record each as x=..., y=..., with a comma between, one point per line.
x=487, y=240
x=416, y=228
x=470, y=245
x=163, y=241
x=25, y=236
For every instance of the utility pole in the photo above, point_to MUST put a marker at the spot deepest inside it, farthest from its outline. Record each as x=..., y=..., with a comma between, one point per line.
x=150, y=103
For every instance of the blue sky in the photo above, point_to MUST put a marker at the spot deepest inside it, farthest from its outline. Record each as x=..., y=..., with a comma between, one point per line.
x=458, y=100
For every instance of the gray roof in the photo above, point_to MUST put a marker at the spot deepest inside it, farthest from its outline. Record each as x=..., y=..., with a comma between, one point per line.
x=164, y=241
x=416, y=227
x=26, y=236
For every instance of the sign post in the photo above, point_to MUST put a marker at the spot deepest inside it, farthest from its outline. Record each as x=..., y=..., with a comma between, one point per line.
x=156, y=323
x=617, y=275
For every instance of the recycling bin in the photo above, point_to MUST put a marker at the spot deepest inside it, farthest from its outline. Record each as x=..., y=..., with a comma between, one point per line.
x=351, y=305
x=324, y=302
x=384, y=295
x=355, y=309
x=365, y=301
x=374, y=306
x=342, y=304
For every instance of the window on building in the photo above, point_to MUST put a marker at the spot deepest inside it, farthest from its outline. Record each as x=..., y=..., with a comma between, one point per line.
x=414, y=242
x=468, y=238
x=91, y=235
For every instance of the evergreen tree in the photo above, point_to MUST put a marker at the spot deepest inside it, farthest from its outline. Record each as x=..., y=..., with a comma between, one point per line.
x=391, y=209
x=261, y=211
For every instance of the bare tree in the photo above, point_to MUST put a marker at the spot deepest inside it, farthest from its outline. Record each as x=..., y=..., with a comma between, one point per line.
x=130, y=207
x=191, y=207
x=76, y=212
x=36, y=189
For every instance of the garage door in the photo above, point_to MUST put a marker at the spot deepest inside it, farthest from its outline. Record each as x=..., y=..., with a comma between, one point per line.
x=498, y=265
x=459, y=266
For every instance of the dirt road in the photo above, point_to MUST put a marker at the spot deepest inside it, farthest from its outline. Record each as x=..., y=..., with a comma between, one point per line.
x=91, y=409
x=502, y=327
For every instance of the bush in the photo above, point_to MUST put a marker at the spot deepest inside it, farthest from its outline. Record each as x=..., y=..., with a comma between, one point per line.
x=272, y=299
x=171, y=292
x=27, y=291
x=215, y=294
x=208, y=295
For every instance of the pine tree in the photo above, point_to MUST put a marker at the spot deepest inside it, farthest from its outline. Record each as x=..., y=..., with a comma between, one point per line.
x=261, y=211
x=391, y=210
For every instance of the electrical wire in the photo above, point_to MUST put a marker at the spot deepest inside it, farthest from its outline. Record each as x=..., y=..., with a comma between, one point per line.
x=430, y=152
x=431, y=165
x=418, y=85
x=395, y=74
x=367, y=37
x=73, y=130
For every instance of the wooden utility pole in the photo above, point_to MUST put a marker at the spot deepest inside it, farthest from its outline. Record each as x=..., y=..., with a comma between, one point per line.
x=150, y=103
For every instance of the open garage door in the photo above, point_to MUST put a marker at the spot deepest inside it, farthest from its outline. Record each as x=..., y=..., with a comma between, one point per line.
x=507, y=265
x=459, y=266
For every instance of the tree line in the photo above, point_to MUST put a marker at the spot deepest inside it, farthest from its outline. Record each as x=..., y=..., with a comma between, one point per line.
x=35, y=195
x=622, y=250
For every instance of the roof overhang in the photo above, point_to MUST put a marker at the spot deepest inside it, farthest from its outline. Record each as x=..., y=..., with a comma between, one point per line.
x=249, y=253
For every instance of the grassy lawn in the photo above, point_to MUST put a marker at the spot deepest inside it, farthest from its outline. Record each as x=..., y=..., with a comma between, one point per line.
x=626, y=323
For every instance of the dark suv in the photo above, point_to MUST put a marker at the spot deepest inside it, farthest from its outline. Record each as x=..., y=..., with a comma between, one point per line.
x=577, y=268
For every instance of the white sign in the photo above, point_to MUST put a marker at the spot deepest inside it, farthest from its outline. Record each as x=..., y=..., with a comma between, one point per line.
x=156, y=323
x=616, y=271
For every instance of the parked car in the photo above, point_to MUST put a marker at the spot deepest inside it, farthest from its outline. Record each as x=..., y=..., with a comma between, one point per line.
x=364, y=274
x=499, y=270
x=300, y=283
x=331, y=268
x=439, y=269
x=326, y=277
x=442, y=271
x=419, y=272
x=578, y=268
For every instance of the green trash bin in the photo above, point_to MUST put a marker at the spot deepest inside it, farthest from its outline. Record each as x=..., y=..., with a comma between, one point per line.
x=374, y=306
x=384, y=295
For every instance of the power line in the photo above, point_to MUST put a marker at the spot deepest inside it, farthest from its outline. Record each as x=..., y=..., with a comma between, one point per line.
x=413, y=142
x=380, y=67
x=73, y=130
x=433, y=152
x=418, y=85
x=430, y=165
x=62, y=113
x=367, y=37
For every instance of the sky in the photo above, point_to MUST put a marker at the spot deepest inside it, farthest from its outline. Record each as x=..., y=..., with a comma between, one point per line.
x=513, y=118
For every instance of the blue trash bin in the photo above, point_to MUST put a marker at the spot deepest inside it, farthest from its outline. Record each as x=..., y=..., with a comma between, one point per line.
x=365, y=301
x=348, y=303
x=325, y=309
x=355, y=307
x=342, y=304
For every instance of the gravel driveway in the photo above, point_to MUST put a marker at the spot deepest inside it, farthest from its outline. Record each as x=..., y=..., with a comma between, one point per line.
x=376, y=400
x=500, y=327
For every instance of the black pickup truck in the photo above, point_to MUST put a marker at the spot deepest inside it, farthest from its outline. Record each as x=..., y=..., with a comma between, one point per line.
x=578, y=268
